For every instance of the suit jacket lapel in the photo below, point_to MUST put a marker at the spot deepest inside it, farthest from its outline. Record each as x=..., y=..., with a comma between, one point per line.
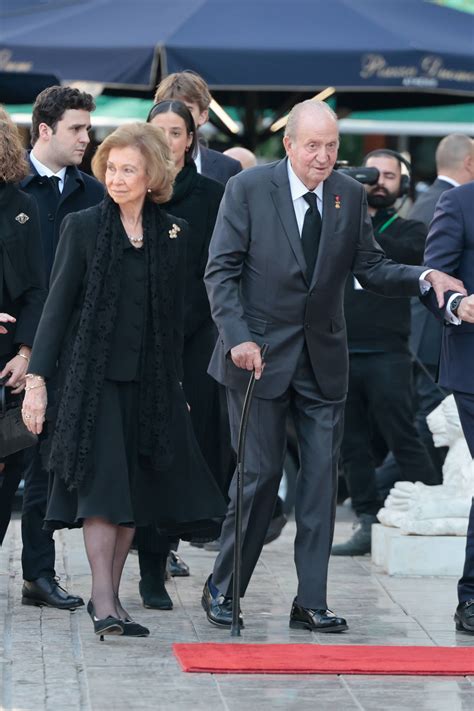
x=330, y=214
x=281, y=197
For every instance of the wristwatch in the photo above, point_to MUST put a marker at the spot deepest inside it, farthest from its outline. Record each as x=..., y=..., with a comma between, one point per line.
x=454, y=305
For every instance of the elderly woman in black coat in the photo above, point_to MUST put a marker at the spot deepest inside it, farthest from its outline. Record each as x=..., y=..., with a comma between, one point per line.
x=122, y=448
x=22, y=289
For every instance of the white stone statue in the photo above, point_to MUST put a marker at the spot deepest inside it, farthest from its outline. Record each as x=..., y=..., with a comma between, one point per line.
x=441, y=510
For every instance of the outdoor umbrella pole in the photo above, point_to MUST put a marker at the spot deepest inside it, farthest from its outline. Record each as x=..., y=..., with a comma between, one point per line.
x=235, y=627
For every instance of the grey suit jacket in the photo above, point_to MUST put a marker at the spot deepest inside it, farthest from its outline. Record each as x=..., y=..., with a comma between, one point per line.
x=257, y=286
x=424, y=207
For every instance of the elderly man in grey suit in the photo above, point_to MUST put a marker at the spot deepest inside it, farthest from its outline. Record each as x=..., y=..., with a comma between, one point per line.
x=287, y=236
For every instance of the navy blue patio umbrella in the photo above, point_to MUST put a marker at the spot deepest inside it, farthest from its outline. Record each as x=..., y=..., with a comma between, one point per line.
x=353, y=45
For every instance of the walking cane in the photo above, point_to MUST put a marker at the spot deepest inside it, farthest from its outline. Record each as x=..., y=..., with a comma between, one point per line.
x=235, y=627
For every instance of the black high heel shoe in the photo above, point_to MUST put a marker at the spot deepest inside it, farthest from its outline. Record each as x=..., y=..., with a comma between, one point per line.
x=130, y=627
x=107, y=625
x=134, y=629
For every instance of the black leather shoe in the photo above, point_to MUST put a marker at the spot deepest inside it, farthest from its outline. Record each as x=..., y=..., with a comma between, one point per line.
x=464, y=616
x=47, y=592
x=176, y=566
x=303, y=618
x=218, y=609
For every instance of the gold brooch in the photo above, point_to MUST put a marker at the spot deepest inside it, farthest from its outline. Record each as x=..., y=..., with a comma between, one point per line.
x=173, y=233
x=337, y=202
x=22, y=218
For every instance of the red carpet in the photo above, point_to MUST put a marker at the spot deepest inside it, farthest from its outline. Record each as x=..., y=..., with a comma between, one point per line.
x=324, y=659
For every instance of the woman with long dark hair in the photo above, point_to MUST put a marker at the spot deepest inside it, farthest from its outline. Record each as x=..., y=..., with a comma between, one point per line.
x=195, y=199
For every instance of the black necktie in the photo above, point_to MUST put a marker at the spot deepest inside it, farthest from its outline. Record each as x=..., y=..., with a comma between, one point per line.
x=54, y=180
x=311, y=233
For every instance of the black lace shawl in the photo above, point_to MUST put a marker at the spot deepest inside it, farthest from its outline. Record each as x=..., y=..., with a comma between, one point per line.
x=82, y=376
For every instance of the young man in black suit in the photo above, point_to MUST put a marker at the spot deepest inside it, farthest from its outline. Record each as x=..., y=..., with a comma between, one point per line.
x=59, y=136
x=193, y=91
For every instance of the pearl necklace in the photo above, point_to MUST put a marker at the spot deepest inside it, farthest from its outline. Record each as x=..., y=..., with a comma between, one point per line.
x=135, y=240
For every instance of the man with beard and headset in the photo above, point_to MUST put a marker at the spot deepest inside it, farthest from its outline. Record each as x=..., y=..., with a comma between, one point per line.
x=380, y=398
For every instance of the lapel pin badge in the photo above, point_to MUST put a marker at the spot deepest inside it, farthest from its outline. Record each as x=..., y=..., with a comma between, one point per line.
x=22, y=218
x=337, y=202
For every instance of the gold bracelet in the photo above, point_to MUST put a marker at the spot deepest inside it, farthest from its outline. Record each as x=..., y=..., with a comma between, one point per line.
x=22, y=355
x=32, y=387
x=33, y=375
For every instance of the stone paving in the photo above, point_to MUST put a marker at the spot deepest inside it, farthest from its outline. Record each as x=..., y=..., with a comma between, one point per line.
x=51, y=661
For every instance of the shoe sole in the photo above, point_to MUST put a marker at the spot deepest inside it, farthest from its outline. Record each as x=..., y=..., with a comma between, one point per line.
x=116, y=630
x=156, y=607
x=179, y=575
x=294, y=625
x=222, y=625
x=40, y=603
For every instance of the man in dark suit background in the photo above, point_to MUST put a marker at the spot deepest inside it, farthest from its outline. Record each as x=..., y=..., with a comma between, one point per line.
x=380, y=364
x=193, y=91
x=450, y=246
x=287, y=237
x=59, y=136
x=455, y=166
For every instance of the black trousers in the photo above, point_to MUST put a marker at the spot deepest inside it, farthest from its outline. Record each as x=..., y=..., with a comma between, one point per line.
x=428, y=396
x=38, y=553
x=381, y=391
x=465, y=405
x=10, y=480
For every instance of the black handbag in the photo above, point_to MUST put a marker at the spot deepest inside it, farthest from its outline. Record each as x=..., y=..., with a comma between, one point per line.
x=14, y=435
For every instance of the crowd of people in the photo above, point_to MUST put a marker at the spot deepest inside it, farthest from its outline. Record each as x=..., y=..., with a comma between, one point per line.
x=135, y=303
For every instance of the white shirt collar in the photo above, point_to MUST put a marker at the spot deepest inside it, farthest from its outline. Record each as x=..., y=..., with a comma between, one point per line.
x=197, y=158
x=47, y=172
x=298, y=188
x=451, y=181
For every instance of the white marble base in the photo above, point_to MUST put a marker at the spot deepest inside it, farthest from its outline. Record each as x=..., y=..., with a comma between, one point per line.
x=397, y=554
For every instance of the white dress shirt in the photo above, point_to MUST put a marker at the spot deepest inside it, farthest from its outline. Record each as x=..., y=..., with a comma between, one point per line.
x=43, y=170
x=298, y=189
x=451, y=181
x=197, y=158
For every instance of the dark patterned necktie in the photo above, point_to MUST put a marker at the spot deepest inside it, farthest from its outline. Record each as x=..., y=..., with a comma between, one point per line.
x=54, y=180
x=311, y=234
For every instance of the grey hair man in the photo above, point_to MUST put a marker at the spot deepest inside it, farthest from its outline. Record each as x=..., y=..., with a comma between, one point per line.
x=454, y=166
x=287, y=236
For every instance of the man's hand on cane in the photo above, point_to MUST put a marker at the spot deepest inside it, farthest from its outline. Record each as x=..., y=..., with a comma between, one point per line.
x=247, y=356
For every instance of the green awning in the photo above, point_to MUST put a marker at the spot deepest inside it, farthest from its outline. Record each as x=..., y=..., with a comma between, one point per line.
x=432, y=121
x=110, y=111
x=420, y=121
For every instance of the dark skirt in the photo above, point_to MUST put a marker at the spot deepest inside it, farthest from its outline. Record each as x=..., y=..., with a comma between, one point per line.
x=182, y=500
x=208, y=408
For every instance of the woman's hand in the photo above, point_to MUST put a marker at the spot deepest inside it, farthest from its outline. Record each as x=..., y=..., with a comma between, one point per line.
x=34, y=406
x=6, y=318
x=16, y=368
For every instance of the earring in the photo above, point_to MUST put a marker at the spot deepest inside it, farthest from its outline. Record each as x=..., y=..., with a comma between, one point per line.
x=149, y=190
